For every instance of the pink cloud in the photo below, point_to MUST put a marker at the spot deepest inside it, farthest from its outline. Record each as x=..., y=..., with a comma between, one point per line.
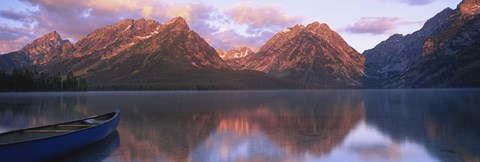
x=261, y=21
x=261, y=17
x=374, y=25
x=75, y=19
x=377, y=25
x=230, y=39
x=416, y=2
x=69, y=19
x=12, y=39
x=13, y=45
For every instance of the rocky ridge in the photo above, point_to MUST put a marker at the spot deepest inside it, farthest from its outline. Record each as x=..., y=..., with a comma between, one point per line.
x=444, y=53
x=313, y=54
x=40, y=52
x=235, y=53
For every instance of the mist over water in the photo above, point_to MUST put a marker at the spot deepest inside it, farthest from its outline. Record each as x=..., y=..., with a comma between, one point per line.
x=325, y=125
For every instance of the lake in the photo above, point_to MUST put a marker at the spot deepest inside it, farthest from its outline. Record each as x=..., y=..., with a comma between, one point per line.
x=310, y=125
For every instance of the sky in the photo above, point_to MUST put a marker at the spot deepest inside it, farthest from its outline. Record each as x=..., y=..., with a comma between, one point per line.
x=223, y=24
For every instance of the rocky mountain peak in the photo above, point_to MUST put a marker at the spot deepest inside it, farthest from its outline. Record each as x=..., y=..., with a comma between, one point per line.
x=51, y=40
x=54, y=35
x=141, y=19
x=173, y=44
x=111, y=40
x=310, y=54
x=295, y=28
x=144, y=22
x=50, y=37
x=469, y=7
x=395, y=36
x=315, y=29
x=125, y=22
x=178, y=23
x=46, y=48
x=400, y=52
x=316, y=26
x=447, y=24
x=437, y=20
x=431, y=55
x=140, y=24
x=235, y=53
x=150, y=21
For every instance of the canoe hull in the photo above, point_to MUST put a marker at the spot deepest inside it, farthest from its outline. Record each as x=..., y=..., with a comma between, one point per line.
x=51, y=148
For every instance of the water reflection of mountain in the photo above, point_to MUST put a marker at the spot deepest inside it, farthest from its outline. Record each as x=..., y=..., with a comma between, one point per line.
x=277, y=126
x=316, y=130
x=21, y=110
x=314, y=126
x=445, y=123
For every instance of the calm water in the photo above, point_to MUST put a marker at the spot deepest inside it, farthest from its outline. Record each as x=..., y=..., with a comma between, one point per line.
x=330, y=125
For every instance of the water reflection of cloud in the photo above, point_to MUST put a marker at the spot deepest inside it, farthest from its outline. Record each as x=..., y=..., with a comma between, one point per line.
x=267, y=126
x=279, y=134
x=366, y=143
x=254, y=147
x=135, y=149
x=228, y=146
x=376, y=151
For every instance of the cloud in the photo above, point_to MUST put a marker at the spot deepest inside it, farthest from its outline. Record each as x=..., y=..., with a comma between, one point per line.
x=416, y=2
x=25, y=18
x=75, y=19
x=9, y=33
x=231, y=39
x=70, y=19
x=17, y=16
x=198, y=16
x=13, y=45
x=12, y=39
x=261, y=17
x=376, y=25
x=261, y=22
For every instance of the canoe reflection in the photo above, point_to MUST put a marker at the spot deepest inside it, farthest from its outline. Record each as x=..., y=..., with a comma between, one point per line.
x=343, y=125
x=96, y=152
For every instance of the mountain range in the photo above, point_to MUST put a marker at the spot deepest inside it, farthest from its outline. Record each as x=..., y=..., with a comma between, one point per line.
x=313, y=54
x=144, y=54
x=235, y=53
x=444, y=53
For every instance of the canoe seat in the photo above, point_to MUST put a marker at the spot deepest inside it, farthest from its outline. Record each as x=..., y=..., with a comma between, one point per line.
x=47, y=131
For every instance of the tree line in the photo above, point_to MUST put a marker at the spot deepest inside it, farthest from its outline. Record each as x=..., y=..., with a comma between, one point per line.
x=26, y=80
x=163, y=87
